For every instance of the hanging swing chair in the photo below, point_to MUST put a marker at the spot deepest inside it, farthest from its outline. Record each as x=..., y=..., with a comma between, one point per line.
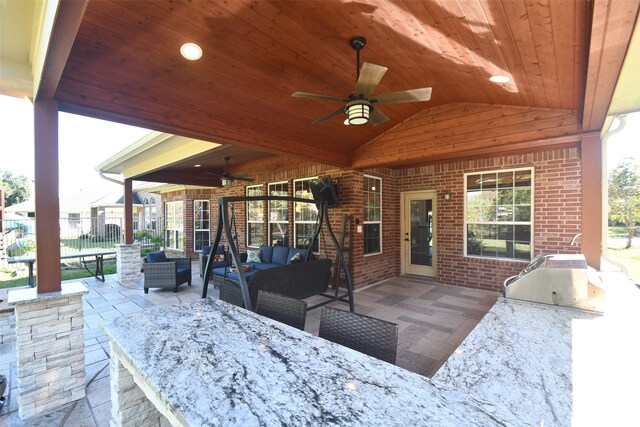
x=226, y=223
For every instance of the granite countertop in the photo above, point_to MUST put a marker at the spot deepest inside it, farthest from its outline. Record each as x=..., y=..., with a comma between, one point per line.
x=216, y=364
x=554, y=366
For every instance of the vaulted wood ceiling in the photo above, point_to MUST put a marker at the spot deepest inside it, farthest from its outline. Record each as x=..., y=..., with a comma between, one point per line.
x=125, y=65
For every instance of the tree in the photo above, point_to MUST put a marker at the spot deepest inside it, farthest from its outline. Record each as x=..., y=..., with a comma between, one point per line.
x=16, y=188
x=624, y=196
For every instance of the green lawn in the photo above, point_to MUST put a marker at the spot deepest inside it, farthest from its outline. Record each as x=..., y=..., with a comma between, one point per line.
x=12, y=279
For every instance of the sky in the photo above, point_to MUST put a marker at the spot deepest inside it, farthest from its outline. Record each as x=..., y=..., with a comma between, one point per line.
x=85, y=142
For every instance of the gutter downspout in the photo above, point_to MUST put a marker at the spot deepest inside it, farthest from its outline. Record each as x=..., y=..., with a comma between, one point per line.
x=108, y=178
x=605, y=189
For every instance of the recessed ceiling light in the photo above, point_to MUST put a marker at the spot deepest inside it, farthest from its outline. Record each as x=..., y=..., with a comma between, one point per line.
x=191, y=51
x=499, y=79
x=196, y=166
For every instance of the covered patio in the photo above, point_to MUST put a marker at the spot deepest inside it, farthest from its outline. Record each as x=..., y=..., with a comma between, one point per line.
x=493, y=117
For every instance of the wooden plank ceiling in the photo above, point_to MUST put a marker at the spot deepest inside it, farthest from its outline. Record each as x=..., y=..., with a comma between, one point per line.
x=125, y=66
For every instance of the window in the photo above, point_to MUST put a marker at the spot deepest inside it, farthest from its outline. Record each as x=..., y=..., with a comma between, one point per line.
x=173, y=234
x=74, y=220
x=150, y=214
x=372, y=191
x=279, y=215
x=200, y=224
x=498, y=209
x=305, y=215
x=255, y=217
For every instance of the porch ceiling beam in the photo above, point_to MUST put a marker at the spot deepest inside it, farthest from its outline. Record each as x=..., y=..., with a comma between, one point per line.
x=180, y=178
x=611, y=30
x=65, y=28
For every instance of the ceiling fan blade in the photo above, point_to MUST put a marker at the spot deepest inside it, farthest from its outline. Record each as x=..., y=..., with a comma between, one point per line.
x=241, y=177
x=411, y=95
x=318, y=96
x=218, y=175
x=370, y=76
x=329, y=116
x=377, y=117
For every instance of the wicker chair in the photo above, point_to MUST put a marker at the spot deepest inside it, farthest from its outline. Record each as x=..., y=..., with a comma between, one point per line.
x=290, y=311
x=375, y=337
x=163, y=272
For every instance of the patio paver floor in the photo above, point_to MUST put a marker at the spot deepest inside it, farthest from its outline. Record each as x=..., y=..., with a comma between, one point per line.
x=433, y=319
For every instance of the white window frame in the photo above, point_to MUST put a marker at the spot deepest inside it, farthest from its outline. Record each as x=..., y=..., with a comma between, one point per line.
x=208, y=222
x=178, y=232
x=250, y=221
x=74, y=220
x=268, y=237
x=365, y=222
x=295, y=205
x=530, y=223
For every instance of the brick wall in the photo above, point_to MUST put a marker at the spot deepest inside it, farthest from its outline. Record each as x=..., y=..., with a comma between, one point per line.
x=557, y=210
x=557, y=204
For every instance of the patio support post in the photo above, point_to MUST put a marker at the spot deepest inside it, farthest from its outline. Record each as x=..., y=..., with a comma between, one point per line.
x=46, y=197
x=591, y=148
x=128, y=211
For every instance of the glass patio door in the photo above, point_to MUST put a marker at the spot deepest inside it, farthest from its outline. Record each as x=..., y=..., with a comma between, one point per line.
x=419, y=233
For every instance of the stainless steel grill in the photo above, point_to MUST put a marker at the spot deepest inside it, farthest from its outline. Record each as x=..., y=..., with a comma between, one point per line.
x=558, y=279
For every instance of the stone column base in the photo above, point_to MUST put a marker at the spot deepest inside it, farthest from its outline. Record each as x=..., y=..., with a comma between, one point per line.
x=128, y=262
x=49, y=348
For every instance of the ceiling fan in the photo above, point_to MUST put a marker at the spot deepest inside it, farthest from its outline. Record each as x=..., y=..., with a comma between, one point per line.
x=227, y=179
x=361, y=106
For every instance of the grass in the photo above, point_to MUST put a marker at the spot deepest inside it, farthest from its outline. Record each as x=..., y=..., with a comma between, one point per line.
x=12, y=279
x=621, y=232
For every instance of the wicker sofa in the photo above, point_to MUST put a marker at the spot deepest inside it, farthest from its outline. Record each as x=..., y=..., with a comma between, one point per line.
x=269, y=257
x=296, y=280
x=163, y=272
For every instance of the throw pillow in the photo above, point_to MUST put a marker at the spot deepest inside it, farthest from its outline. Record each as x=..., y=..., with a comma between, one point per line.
x=253, y=256
x=218, y=258
x=296, y=258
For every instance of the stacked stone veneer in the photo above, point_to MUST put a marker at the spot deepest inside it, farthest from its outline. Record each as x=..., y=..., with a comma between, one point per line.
x=128, y=262
x=129, y=405
x=7, y=326
x=49, y=348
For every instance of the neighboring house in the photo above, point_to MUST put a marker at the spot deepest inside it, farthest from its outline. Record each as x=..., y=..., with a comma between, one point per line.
x=87, y=212
x=110, y=210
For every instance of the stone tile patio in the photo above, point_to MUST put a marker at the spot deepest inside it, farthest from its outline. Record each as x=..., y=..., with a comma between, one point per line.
x=433, y=319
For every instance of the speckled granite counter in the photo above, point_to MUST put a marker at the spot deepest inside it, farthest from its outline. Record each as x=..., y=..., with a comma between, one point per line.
x=552, y=366
x=210, y=363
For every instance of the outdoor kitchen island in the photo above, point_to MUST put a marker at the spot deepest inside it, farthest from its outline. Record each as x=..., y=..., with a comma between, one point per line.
x=211, y=363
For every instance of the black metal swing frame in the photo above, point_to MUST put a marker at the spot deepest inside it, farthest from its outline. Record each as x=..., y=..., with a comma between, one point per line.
x=323, y=217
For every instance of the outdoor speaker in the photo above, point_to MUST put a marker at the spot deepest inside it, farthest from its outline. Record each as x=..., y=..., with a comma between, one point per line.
x=325, y=190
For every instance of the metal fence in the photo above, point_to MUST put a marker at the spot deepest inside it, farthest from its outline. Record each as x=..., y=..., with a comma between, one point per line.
x=76, y=234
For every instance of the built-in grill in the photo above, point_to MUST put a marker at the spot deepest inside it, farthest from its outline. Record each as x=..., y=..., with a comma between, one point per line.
x=558, y=279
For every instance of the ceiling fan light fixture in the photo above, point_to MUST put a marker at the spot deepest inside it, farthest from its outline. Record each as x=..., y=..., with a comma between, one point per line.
x=358, y=112
x=226, y=182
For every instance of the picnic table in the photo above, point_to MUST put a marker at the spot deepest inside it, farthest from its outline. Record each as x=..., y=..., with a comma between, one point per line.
x=98, y=255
